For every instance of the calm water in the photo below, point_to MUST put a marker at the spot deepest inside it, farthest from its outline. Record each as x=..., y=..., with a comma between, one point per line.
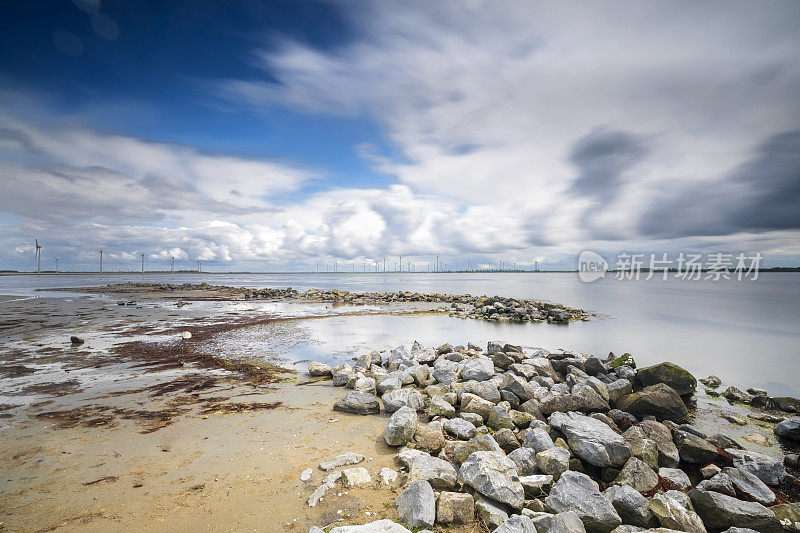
x=746, y=332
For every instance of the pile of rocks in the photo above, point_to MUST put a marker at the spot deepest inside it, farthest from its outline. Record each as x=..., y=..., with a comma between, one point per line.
x=525, y=440
x=755, y=397
x=494, y=308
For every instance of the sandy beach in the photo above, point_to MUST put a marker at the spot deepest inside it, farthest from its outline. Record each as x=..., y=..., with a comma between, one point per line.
x=115, y=434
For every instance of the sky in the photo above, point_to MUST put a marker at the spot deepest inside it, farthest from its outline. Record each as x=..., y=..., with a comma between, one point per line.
x=292, y=135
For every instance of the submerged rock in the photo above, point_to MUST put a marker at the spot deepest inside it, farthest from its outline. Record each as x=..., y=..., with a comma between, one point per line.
x=711, y=381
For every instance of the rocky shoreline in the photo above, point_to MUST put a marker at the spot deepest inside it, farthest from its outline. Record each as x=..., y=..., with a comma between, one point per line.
x=519, y=440
x=493, y=308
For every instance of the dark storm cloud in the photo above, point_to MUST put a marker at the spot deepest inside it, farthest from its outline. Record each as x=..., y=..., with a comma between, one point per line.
x=602, y=157
x=762, y=194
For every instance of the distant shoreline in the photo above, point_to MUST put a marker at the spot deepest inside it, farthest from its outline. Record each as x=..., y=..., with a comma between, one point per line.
x=294, y=272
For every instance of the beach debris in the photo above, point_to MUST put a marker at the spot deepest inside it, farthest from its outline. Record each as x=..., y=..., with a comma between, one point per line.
x=387, y=476
x=733, y=419
x=344, y=459
x=356, y=476
x=186, y=335
x=305, y=475
x=76, y=340
x=327, y=484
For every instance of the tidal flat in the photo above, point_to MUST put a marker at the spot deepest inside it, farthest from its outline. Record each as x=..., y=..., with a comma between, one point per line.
x=185, y=408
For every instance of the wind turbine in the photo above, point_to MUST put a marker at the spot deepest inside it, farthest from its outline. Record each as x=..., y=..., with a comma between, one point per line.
x=38, y=257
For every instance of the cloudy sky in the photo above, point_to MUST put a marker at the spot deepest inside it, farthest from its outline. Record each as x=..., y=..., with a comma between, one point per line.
x=285, y=135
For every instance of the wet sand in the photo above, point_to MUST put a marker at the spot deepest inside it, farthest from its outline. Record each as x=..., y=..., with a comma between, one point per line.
x=110, y=435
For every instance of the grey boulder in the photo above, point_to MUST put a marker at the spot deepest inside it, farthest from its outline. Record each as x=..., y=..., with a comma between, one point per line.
x=592, y=440
x=516, y=524
x=632, y=507
x=659, y=400
x=459, y=428
x=673, y=510
x=401, y=427
x=478, y=369
x=769, y=469
x=494, y=475
x=360, y=403
x=788, y=429
x=638, y=475
x=577, y=492
x=567, y=522
x=719, y=511
x=438, y=472
x=394, y=400
x=694, y=449
x=379, y=526
x=416, y=505
x=750, y=485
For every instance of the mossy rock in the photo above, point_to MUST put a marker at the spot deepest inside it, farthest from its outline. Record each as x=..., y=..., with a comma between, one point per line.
x=625, y=359
x=669, y=374
x=788, y=404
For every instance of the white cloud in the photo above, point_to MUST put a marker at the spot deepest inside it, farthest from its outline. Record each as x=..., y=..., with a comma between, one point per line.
x=485, y=101
x=486, y=104
x=102, y=164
